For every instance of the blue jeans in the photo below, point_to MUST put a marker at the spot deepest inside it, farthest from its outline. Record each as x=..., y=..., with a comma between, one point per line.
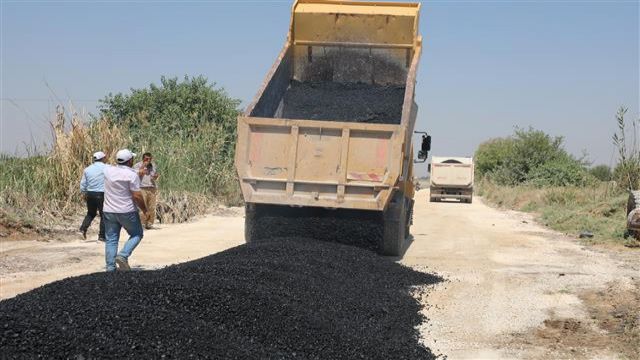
x=114, y=222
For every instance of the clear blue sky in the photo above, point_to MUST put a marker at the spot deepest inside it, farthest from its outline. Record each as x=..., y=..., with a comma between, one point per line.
x=487, y=66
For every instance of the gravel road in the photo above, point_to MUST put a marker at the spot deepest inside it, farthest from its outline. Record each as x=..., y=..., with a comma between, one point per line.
x=514, y=289
x=512, y=283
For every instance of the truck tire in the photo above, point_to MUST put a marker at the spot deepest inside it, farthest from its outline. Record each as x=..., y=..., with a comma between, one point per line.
x=394, y=219
x=250, y=211
x=409, y=221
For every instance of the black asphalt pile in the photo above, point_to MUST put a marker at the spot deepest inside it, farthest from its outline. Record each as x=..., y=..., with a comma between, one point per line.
x=290, y=299
x=353, y=102
x=364, y=229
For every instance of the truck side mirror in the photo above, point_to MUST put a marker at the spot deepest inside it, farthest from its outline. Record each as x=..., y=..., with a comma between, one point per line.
x=425, y=147
x=423, y=154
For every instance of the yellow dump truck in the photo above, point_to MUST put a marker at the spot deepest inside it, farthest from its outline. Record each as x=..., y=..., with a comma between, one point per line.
x=325, y=149
x=451, y=178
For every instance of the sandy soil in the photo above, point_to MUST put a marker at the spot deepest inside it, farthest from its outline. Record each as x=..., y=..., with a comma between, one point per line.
x=25, y=265
x=515, y=289
x=514, y=286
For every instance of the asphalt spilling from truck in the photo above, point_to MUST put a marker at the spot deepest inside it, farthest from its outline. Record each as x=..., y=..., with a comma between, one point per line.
x=287, y=299
x=364, y=229
x=351, y=102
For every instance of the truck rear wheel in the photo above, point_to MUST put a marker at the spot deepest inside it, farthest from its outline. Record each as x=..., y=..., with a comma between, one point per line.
x=395, y=221
x=250, y=211
x=410, y=203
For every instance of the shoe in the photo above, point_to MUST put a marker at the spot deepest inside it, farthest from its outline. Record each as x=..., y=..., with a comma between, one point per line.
x=84, y=233
x=101, y=239
x=148, y=227
x=123, y=264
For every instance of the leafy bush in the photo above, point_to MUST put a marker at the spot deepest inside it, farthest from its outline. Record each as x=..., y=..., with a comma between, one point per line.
x=492, y=154
x=529, y=156
x=188, y=126
x=560, y=172
x=532, y=148
x=601, y=172
x=175, y=107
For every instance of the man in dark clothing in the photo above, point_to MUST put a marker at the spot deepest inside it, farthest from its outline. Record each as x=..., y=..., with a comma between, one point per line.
x=92, y=187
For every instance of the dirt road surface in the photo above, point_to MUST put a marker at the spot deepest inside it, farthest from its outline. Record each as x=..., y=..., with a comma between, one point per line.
x=514, y=289
x=25, y=265
x=518, y=290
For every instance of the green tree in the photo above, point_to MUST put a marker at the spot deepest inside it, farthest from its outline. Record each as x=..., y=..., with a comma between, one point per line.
x=188, y=125
x=178, y=107
x=532, y=148
x=492, y=154
x=563, y=171
x=529, y=156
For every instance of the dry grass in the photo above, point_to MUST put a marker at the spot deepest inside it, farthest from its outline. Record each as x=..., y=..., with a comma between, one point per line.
x=42, y=192
x=600, y=209
x=72, y=151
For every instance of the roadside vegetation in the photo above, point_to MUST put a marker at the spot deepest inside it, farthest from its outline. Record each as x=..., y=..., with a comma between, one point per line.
x=531, y=171
x=188, y=125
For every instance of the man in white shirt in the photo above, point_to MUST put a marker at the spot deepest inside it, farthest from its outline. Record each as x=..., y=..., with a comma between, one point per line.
x=121, y=195
x=92, y=188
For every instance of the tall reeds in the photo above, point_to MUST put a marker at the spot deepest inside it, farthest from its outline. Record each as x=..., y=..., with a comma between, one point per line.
x=43, y=189
x=627, y=171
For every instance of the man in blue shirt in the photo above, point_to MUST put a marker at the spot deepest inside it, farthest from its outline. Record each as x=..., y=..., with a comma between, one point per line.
x=92, y=187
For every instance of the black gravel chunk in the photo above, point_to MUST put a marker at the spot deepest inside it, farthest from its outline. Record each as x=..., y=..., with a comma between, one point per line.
x=290, y=299
x=353, y=102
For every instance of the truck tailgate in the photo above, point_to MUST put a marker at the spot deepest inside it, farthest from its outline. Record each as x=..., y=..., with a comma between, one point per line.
x=452, y=175
x=318, y=163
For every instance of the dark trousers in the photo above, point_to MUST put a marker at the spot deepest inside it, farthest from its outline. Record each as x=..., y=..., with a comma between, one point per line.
x=94, y=204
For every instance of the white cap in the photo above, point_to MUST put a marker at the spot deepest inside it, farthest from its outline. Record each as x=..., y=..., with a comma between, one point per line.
x=124, y=155
x=98, y=155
